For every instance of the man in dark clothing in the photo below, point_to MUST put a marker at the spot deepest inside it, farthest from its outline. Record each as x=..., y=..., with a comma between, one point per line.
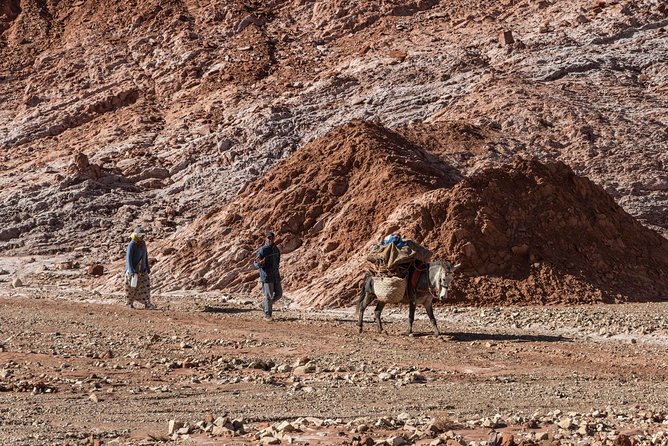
x=268, y=260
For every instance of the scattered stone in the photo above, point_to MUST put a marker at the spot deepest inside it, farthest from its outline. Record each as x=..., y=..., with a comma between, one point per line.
x=303, y=370
x=16, y=283
x=414, y=377
x=542, y=436
x=404, y=416
x=397, y=441
x=565, y=423
x=622, y=440
x=64, y=265
x=384, y=376
x=506, y=38
x=174, y=426
x=218, y=431
x=95, y=270
x=507, y=439
x=285, y=426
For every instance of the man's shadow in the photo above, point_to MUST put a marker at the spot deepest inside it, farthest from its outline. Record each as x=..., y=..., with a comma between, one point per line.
x=225, y=310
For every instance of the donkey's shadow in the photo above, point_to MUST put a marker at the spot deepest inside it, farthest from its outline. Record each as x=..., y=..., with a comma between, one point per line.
x=470, y=337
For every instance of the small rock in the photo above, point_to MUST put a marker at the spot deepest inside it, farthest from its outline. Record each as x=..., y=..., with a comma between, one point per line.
x=95, y=270
x=221, y=421
x=317, y=422
x=622, y=440
x=366, y=441
x=542, y=436
x=218, y=431
x=506, y=38
x=285, y=427
x=384, y=376
x=565, y=423
x=396, y=441
x=64, y=265
x=507, y=439
x=415, y=377
x=16, y=283
x=400, y=55
x=174, y=426
x=303, y=370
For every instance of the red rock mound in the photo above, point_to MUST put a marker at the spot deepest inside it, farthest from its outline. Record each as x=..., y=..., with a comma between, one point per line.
x=525, y=233
x=534, y=233
x=325, y=202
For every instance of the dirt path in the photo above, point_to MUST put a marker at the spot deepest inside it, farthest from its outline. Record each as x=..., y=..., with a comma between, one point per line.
x=71, y=367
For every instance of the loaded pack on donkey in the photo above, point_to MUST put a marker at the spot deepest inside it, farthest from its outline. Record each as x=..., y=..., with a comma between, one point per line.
x=401, y=272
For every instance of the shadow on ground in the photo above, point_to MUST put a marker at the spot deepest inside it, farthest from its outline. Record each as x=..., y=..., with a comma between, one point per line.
x=468, y=337
x=225, y=310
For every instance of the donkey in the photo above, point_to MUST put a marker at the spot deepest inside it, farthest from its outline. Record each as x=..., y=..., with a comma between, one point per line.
x=433, y=281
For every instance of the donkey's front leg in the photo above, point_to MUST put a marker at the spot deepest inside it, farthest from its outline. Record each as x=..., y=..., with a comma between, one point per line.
x=377, y=311
x=411, y=316
x=432, y=318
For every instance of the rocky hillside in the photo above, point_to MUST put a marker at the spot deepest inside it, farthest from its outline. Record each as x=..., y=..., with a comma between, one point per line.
x=115, y=114
x=327, y=202
x=525, y=232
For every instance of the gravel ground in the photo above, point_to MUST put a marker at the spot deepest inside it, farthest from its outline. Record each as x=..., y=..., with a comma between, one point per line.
x=77, y=368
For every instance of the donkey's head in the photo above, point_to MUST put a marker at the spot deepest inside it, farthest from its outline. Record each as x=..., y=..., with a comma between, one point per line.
x=440, y=276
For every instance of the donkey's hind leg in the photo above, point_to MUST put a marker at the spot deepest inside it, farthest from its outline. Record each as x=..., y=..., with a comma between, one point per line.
x=365, y=299
x=376, y=312
x=432, y=318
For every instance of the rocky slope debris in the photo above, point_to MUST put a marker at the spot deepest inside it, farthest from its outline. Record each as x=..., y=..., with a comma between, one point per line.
x=537, y=233
x=168, y=110
x=325, y=202
x=526, y=232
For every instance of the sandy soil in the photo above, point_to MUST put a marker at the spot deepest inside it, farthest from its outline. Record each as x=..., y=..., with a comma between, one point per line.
x=80, y=368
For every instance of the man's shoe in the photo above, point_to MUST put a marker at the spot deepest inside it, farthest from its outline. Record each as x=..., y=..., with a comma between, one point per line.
x=268, y=318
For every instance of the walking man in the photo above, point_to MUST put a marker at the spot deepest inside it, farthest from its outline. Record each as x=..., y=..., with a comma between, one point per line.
x=268, y=260
x=137, y=281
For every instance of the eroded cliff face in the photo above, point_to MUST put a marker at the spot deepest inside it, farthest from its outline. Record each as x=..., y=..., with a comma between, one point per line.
x=166, y=114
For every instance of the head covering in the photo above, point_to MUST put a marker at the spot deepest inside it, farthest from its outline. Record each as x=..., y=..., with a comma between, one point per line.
x=270, y=234
x=138, y=234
